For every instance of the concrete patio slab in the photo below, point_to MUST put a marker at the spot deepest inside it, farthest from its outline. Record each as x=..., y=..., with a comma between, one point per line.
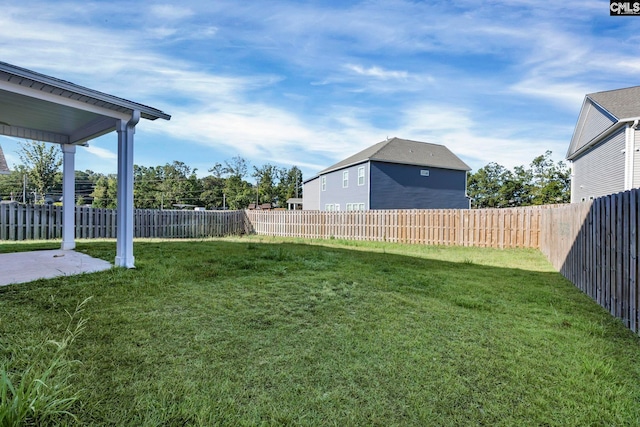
x=22, y=267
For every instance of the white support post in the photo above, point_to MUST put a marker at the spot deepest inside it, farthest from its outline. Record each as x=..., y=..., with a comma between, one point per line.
x=629, y=150
x=124, y=235
x=68, y=196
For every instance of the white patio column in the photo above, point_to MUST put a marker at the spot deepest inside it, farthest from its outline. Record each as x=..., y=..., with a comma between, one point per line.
x=124, y=234
x=68, y=196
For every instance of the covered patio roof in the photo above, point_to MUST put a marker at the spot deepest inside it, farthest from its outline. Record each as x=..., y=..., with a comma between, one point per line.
x=42, y=108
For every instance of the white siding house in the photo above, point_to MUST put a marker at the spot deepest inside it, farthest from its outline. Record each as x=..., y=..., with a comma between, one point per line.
x=311, y=195
x=604, y=149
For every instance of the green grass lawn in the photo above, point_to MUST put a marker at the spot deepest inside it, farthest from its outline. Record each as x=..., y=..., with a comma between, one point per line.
x=258, y=331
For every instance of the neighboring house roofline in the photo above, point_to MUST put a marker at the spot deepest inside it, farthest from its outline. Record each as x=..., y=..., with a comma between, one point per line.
x=394, y=150
x=311, y=179
x=345, y=166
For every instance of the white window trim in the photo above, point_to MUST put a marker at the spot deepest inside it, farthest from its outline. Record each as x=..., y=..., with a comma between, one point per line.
x=345, y=179
x=323, y=183
x=361, y=175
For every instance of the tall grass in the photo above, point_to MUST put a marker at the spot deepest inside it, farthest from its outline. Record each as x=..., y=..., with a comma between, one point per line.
x=38, y=390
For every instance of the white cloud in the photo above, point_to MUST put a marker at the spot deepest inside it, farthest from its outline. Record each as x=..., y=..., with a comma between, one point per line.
x=569, y=95
x=477, y=143
x=170, y=12
x=101, y=153
x=378, y=72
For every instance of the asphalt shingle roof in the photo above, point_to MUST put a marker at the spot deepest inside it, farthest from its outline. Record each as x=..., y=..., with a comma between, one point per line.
x=622, y=103
x=404, y=151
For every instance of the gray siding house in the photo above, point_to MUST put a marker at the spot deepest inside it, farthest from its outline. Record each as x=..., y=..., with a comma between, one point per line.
x=4, y=169
x=392, y=174
x=604, y=149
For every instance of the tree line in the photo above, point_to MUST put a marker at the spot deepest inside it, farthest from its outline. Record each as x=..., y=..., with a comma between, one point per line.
x=176, y=185
x=543, y=182
x=173, y=185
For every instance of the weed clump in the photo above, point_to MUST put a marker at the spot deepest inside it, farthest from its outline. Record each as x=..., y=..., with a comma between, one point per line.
x=41, y=393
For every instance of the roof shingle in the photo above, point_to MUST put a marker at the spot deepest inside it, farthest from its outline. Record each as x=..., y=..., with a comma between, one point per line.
x=404, y=151
x=622, y=103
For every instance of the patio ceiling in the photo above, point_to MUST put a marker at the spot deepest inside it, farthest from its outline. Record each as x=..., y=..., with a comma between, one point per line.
x=38, y=107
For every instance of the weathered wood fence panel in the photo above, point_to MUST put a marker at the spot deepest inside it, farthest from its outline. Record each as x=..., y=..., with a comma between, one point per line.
x=595, y=245
x=24, y=222
x=497, y=228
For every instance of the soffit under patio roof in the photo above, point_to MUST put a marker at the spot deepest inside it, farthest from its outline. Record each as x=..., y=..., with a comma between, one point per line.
x=39, y=107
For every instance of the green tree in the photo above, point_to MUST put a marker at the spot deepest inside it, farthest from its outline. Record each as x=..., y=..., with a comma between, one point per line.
x=485, y=186
x=551, y=182
x=146, y=187
x=267, y=177
x=212, y=195
x=42, y=164
x=543, y=182
x=236, y=166
x=85, y=183
x=290, y=185
x=105, y=192
x=12, y=185
x=239, y=193
x=179, y=184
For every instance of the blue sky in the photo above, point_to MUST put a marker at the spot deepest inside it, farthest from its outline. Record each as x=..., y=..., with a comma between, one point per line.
x=309, y=83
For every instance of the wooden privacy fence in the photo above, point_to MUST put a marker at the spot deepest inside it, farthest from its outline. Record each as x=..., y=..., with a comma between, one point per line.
x=24, y=222
x=595, y=245
x=497, y=228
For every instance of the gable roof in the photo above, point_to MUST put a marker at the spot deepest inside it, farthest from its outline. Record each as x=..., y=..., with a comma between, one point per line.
x=621, y=103
x=404, y=151
x=4, y=169
x=602, y=114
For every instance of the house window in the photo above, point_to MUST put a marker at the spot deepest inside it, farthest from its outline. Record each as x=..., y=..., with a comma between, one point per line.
x=337, y=207
x=328, y=207
x=345, y=179
x=360, y=206
x=361, y=175
x=349, y=207
x=323, y=183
